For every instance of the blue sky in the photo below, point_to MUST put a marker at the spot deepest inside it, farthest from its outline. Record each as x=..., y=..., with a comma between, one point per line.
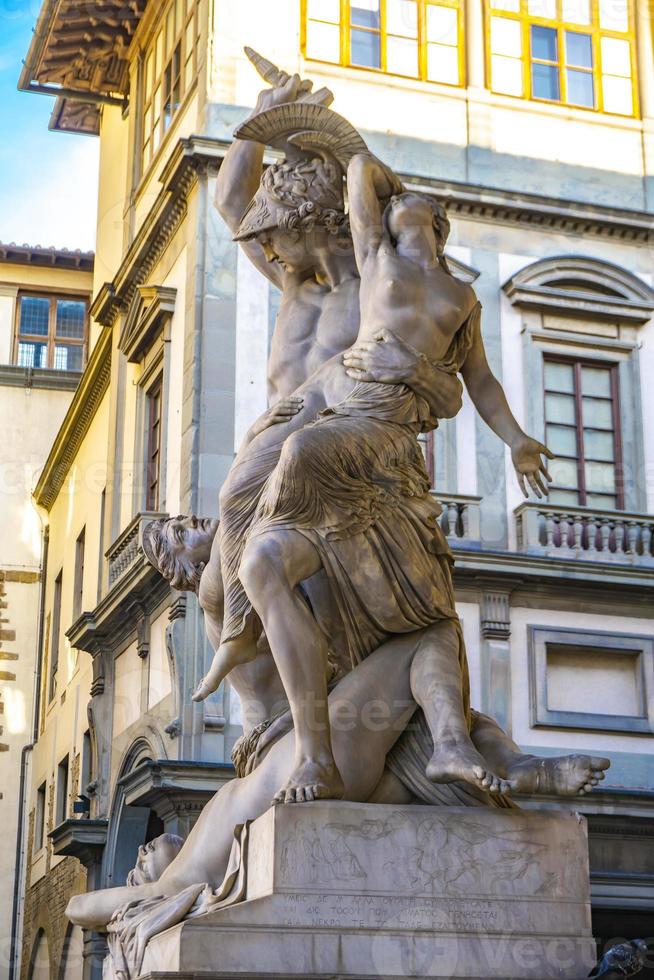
x=48, y=181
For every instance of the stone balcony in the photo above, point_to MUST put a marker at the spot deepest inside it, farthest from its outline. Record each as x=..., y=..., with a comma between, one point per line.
x=585, y=534
x=460, y=519
x=134, y=588
x=126, y=549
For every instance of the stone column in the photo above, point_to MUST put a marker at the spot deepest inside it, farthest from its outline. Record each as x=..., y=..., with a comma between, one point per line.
x=94, y=951
x=95, y=943
x=496, y=656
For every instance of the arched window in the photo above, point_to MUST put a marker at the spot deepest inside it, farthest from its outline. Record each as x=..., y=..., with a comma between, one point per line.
x=416, y=38
x=72, y=955
x=39, y=968
x=581, y=317
x=577, y=52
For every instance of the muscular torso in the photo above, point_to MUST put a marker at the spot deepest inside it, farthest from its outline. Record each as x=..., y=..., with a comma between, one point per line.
x=313, y=324
x=425, y=307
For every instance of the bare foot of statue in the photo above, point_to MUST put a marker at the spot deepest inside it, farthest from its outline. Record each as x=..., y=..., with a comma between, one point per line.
x=458, y=760
x=228, y=655
x=566, y=775
x=312, y=780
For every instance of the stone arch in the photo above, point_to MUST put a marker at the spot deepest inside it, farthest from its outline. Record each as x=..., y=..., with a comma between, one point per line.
x=72, y=955
x=129, y=826
x=577, y=285
x=40, y=967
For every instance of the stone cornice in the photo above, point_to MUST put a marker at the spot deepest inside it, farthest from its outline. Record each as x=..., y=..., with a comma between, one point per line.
x=156, y=232
x=150, y=310
x=14, y=376
x=198, y=154
x=559, y=578
x=476, y=202
x=575, y=285
x=83, y=839
x=169, y=787
x=56, y=258
x=570, y=304
x=136, y=593
x=533, y=210
x=93, y=384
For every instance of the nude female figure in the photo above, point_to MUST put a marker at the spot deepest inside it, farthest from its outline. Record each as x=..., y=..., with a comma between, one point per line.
x=360, y=750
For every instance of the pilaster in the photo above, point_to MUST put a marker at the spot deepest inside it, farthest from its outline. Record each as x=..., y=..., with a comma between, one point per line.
x=496, y=656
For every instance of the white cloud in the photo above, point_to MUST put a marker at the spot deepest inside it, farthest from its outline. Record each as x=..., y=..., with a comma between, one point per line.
x=53, y=202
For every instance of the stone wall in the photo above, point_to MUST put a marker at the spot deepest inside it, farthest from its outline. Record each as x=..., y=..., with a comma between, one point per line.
x=44, y=911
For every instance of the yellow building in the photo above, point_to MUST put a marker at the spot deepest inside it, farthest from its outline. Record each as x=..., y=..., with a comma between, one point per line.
x=533, y=120
x=44, y=299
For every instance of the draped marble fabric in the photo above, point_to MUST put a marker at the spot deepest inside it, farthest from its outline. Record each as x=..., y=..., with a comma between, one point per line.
x=354, y=482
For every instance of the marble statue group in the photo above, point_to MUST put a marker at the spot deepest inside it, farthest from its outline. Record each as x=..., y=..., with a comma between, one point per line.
x=326, y=585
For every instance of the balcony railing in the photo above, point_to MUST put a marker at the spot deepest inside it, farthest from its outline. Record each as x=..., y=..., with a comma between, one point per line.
x=582, y=533
x=126, y=549
x=460, y=519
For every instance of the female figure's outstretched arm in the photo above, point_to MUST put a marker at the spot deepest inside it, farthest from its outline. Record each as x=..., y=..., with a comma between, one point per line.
x=490, y=401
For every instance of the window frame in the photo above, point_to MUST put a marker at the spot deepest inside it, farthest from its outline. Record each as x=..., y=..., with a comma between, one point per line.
x=593, y=30
x=345, y=27
x=577, y=364
x=57, y=598
x=78, y=581
x=86, y=767
x=39, y=816
x=193, y=13
x=62, y=802
x=154, y=393
x=629, y=644
x=51, y=340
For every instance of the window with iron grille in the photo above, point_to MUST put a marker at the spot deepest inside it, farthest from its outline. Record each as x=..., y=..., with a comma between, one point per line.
x=582, y=430
x=51, y=332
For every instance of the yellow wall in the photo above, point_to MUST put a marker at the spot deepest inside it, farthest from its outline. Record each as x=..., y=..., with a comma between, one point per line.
x=63, y=720
x=112, y=198
x=78, y=505
x=29, y=421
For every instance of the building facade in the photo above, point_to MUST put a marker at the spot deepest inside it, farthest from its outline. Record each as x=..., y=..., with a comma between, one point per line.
x=45, y=294
x=533, y=121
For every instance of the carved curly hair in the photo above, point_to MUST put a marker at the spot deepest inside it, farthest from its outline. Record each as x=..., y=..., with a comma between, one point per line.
x=297, y=197
x=177, y=569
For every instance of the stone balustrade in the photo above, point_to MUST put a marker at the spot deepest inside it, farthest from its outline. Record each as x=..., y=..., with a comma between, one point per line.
x=585, y=533
x=126, y=549
x=460, y=519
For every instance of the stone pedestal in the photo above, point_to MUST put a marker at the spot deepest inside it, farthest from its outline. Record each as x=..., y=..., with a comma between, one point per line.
x=369, y=891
